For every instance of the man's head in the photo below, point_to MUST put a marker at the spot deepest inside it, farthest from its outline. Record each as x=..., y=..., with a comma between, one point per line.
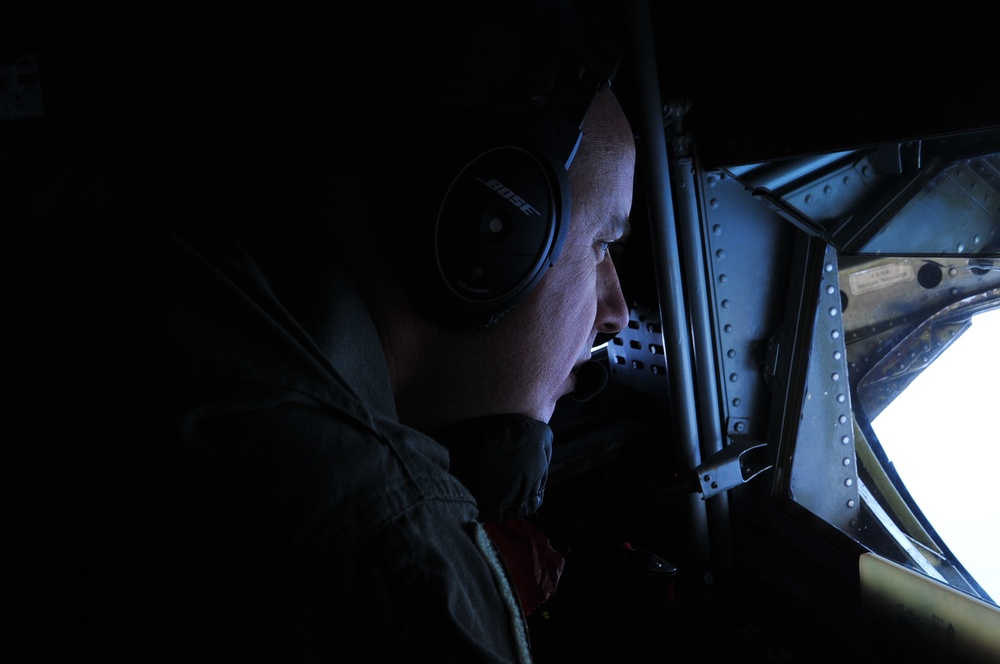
x=550, y=333
x=526, y=361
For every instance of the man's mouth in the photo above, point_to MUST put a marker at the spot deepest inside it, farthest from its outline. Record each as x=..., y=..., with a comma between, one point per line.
x=590, y=378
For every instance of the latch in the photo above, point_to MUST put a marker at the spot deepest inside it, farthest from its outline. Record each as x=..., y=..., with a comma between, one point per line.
x=733, y=465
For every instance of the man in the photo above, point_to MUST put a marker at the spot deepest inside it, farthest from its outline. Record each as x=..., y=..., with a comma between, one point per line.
x=296, y=457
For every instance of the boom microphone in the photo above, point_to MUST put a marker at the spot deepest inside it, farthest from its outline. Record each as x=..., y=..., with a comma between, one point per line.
x=591, y=378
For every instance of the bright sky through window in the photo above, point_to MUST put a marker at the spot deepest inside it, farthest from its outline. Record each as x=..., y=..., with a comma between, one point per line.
x=942, y=437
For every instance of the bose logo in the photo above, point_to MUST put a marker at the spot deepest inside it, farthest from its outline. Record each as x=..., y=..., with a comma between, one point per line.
x=514, y=199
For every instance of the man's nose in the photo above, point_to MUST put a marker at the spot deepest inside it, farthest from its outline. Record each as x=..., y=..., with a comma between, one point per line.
x=612, y=310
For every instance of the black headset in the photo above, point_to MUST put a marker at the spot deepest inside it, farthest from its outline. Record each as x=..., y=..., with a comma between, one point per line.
x=506, y=211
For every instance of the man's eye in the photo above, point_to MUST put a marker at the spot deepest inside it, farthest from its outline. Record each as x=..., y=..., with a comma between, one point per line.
x=612, y=248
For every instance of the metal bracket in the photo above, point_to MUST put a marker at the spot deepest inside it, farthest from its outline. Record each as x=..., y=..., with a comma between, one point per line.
x=731, y=466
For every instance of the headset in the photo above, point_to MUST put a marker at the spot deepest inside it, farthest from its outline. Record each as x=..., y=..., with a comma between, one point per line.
x=505, y=211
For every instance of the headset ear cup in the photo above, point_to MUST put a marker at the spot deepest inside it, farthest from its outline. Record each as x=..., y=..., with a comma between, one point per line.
x=502, y=213
x=500, y=226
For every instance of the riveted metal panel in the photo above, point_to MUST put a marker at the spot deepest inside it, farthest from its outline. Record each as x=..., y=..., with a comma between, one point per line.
x=824, y=476
x=954, y=212
x=748, y=246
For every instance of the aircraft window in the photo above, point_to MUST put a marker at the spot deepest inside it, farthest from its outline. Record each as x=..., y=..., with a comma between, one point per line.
x=939, y=437
x=883, y=322
x=895, y=259
x=903, y=251
x=920, y=339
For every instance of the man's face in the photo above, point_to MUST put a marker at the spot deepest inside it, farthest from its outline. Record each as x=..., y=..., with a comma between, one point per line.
x=556, y=324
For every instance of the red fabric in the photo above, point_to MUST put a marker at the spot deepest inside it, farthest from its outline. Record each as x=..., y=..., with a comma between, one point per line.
x=533, y=564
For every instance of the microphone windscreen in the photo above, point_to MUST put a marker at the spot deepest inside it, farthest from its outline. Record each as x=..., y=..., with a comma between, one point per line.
x=591, y=378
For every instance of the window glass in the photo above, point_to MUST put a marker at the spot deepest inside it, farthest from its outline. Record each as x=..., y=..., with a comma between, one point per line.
x=941, y=435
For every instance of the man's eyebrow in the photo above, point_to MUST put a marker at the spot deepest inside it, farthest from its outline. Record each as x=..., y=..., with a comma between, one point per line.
x=622, y=226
